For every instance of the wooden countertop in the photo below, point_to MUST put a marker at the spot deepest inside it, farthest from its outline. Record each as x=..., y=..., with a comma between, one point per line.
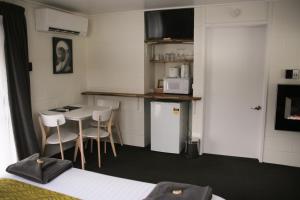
x=158, y=96
x=113, y=94
x=180, y=97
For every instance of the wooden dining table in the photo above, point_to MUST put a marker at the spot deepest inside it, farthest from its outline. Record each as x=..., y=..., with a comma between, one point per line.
x=84, y=112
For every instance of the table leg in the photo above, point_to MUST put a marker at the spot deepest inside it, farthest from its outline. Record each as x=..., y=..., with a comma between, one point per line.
x=81, y=145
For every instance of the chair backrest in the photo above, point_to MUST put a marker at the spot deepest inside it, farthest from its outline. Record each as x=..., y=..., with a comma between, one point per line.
x=53, y=120
x=113, y=104
x=44, y=130
x=102, y=115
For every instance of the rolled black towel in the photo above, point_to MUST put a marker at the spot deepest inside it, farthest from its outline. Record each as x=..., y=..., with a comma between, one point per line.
x=179, y=191
x=41, y=170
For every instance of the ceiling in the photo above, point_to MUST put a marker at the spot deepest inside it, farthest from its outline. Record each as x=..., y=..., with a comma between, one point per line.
x=99, y=6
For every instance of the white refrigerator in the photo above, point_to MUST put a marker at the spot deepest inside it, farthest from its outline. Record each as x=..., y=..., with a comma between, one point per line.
x=169, y=126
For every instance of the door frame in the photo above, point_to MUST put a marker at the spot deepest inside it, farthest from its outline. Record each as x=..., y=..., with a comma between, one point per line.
x=266, y=70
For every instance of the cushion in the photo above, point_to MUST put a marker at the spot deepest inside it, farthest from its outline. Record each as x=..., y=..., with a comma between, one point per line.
x=179, y=191
x=41, y=170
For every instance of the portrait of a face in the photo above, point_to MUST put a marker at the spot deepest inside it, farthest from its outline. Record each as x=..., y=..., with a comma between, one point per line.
x=62, y=56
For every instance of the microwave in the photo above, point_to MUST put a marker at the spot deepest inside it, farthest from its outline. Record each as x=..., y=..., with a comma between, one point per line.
x=177, y=85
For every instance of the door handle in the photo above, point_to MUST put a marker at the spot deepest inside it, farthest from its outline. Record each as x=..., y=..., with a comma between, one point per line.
x=256, y=108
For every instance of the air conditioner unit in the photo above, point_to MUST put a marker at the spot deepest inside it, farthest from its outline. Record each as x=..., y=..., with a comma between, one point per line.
x=56, y=21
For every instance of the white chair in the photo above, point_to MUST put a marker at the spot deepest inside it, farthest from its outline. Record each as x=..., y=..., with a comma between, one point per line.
x=98, y=133
x=59, y=136
x=114, y=105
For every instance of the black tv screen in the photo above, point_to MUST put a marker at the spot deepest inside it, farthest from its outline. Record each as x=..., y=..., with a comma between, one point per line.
x=176, y=24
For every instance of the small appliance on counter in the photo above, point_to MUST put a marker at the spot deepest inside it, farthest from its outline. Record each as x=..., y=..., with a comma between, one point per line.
x=181, y=71
x=174, y=72
x=178, y=81
x=177, y=85
x=184, y=71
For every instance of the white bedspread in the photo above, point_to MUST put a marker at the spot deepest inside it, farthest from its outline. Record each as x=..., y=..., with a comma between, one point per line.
x=94, y=186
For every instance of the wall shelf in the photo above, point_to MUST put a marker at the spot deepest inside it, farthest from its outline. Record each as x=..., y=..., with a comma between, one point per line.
x=174, y=61
x=157, y=42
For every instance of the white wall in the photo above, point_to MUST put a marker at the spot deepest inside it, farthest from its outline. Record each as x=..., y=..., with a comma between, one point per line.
x=116, y=63
x=282, y=147
x=148, y=70
x=197, y=107
x=116, y=52
x=49, y=90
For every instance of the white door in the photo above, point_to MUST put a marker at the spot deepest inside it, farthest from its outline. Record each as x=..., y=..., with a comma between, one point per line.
x=235, y=60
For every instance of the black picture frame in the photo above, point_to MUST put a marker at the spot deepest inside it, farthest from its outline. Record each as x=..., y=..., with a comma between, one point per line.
x=62, y=55
x=160, y=83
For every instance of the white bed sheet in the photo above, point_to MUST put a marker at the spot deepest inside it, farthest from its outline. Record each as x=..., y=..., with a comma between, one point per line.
x=94, y=186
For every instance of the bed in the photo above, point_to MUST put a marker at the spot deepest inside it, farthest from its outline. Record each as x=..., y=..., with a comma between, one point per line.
x=90, y=185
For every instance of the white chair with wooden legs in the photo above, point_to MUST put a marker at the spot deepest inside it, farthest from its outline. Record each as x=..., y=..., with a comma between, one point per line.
x=98, y=133
x=114, y=105
x=59, y=136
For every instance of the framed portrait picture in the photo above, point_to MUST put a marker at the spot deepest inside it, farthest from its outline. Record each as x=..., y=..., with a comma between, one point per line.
x=160, y=83
x=62, y=55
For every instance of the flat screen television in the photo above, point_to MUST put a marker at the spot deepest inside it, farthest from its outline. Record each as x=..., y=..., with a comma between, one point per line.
x=177, y=24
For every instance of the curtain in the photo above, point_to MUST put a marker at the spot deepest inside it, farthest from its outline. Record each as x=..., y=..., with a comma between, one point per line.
x=16, y=54
x=7, y=144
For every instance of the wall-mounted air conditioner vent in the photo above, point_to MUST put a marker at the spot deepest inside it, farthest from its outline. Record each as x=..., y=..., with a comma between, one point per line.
x=50, y=20
x=52, y=29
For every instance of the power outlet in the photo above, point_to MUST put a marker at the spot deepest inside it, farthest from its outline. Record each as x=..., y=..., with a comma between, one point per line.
x=295, y=73
x=292, y=74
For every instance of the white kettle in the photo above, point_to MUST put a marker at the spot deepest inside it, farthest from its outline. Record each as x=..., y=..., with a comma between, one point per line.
x=184, y=71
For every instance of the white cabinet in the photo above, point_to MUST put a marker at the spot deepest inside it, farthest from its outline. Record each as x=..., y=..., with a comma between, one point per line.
x=236, y=13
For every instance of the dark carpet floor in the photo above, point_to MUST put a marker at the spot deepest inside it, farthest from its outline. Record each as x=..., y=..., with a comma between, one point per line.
x=230, y=177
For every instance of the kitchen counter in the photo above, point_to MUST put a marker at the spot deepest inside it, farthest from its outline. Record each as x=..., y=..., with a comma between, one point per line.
x=156, y=96
x=180, y=97
x=113, y=94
